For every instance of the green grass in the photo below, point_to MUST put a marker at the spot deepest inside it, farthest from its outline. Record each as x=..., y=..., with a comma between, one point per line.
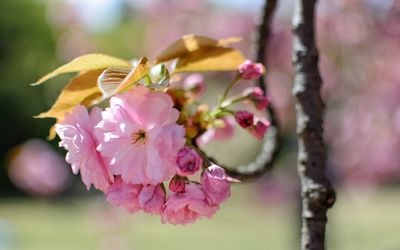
x=369, y=222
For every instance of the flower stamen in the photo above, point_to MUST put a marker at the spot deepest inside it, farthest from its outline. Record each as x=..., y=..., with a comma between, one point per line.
x=138, y=137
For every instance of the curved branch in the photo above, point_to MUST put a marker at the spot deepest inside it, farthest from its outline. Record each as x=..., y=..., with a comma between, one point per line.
x=317, y=192
x=272, y=141
x=264, y=34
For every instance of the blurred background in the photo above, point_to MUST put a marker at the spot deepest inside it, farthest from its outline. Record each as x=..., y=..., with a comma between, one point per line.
x=42, y=206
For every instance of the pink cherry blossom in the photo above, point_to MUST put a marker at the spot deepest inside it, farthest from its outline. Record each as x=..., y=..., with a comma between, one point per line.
x=187, y=207
x=151, y=199
x=188, y=161
x=177, y=184
x=216, y=184
x=257, y=97
x=259, y=129
x=76, y=133
x=219, y=134
x=139, y=136
x=250, y=70
x=124, y=195
x=244, y=119
x=194, y=85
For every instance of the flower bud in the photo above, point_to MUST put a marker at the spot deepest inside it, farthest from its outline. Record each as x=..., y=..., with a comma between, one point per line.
x=259, y=129
x=257, y=97
x=194, y=85
x=188, y=161
x=250, y=70
x=216, y=184
x=244, y=119
x=253, y=91
x=177, y=184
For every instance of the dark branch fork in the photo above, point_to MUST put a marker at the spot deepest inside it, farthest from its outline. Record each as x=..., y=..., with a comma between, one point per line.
x=272, y=141
x=317, y=192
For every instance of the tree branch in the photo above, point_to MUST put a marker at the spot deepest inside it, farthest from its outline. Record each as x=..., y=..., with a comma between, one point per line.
x=272, y=141
x=264, y=34
x=317, y=193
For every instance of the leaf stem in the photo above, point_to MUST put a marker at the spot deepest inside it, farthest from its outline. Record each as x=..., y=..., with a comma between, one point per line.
x=207, y=162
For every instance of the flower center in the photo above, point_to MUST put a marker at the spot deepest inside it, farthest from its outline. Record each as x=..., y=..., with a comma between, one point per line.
x=248, y=122
x=190, y=166
x=138, y=138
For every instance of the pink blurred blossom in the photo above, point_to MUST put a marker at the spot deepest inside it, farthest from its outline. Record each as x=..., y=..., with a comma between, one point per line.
x=219, y=134
x=37, y=169
x=194, y=85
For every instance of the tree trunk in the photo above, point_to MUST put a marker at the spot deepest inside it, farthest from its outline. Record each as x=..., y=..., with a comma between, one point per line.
x=317, y=193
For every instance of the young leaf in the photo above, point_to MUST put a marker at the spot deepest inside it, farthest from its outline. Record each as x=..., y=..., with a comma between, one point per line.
x=115, y=80
x=141, y=68
x=210, y=59
x=159, y=75
x=86, y=63
x=52, y=132
x=110, y=80
x=191, y=43
x=81, y=90
x=228, y=41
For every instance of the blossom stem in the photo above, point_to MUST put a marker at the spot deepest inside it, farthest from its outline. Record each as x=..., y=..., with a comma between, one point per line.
x=205, y=158
x=227, y=103
x=235, y=80
x=219, y=109
x=220, y=112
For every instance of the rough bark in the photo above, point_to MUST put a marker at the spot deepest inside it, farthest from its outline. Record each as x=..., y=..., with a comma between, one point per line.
x=272, y=141
x=317, y=193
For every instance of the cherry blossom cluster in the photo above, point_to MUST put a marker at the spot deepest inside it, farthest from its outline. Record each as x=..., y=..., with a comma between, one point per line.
x=149, y=139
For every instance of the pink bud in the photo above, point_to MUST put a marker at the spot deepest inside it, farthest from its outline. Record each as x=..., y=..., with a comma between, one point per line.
x=216, y=184
x=244, y=119
x=250, y=70
x=177, y=184
x=259, y=129
x=261, y=102
x=257, y=97
x=253, y=91
x=194, y=85
x=188, y=161
x=152, y=198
